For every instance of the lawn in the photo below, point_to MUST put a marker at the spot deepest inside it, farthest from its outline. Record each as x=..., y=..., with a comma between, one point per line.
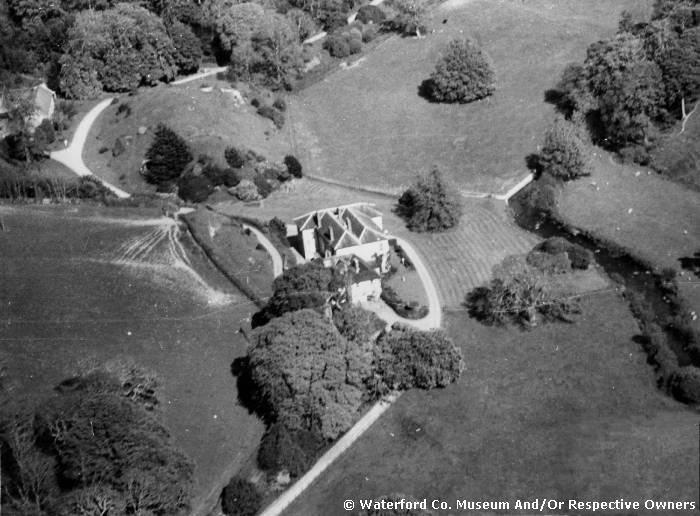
x=561, y=411
x=459, y=259
x=367, y=125
x=655, y=218
x=209, y=122
x=94, y=284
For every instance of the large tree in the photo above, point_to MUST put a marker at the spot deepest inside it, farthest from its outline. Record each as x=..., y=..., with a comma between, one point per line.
x=564, y=154
x=463, y=74
x=167, y=156
x=430, y=204
x=306, y=375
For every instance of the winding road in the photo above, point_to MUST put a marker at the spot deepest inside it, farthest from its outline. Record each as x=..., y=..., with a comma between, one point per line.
x=72, y=156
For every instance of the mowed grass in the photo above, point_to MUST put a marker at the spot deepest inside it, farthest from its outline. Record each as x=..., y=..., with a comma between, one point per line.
x=559, y=412
x=209, y=122
x=458, y=260
x=67, y=299
x=367, y=125
x=656, y=219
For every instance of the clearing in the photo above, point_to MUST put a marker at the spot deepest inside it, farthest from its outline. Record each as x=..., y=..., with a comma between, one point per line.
x=458, y=260
x=367, y=125
x=564, y=411
x=98, y=283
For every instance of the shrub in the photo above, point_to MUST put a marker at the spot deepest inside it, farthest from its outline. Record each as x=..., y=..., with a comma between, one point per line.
x=231, y=178
x=579, y=256
x=463, y=74
x=563, y=153
x=685, y=384
x=240, y=497
x=369, y=33
x=406, y=358
x=290, y=450
x=293, y=165
x=398, y=305
x=234, y=157
x=167, y=156
x=263, y=186
x=280, y=104
x=188, y=48
x=549, y=263
x=430, y=204
x=337, y=46
x=371, y=14
x=195, y=188
x=276, y=116
x=355, y=46
x=215, y=174
x=245, y=190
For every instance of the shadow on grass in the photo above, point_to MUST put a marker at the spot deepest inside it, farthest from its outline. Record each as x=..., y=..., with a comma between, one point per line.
x=425, y=91
x=691, y=263
x=248, y=396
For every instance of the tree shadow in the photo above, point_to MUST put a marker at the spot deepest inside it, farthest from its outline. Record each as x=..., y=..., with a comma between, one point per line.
x=426, y=89
x=691, y=263
x=248, y=396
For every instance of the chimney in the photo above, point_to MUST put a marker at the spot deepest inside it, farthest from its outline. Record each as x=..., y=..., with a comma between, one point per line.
x=330, y=232
x=356, y=262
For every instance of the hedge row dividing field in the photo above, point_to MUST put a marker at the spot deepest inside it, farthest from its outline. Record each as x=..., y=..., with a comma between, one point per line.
x=459, y=259
x=367, y=125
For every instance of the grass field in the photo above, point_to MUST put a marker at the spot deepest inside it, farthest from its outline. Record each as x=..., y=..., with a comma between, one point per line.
x=561, y=411
x=458, y=260
x=367, y=125
x=95, y=284
x=209, y=122
x=655, y=218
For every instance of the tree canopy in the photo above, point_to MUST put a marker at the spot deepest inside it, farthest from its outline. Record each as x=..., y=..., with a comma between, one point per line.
x=430, y=204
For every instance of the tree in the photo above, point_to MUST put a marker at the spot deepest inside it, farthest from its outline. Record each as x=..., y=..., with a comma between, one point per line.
x=188, y=49
x=117, y=49
x=410, y=19
x=357, y=324
x=430, y=204
x=167, y=156
x=563, y=153
x=306, y=375
x=291, y=450
x=240, y=498
x=407, y=358
x=463, y=74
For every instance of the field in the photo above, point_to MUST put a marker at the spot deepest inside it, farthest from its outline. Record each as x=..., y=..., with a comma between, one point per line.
x=655, y=218
x=95, y=284
x=458, y=260
x=367, y=125
x=561, y=411
x=208, y=121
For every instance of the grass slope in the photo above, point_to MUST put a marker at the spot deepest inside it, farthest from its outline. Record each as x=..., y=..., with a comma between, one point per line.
x=367, y=125
x=562, y=412
x=209, y=122
x=662, y=225
x=458, y=260
x=66, y=299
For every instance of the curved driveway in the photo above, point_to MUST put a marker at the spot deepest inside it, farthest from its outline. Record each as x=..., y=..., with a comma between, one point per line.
x=72, y=156
x=270, y=248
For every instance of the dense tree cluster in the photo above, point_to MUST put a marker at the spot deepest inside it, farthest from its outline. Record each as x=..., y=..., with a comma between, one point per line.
x=431, y=204
x=638, y=82
x=463, y=74
x=564, y=154
x=167, y=156
x=90, y=449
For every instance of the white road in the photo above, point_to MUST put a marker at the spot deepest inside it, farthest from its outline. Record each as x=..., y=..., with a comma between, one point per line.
x=277, y=266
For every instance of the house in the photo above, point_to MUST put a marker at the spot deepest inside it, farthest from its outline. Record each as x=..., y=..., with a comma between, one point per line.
x=350, y=238
x=44, y=107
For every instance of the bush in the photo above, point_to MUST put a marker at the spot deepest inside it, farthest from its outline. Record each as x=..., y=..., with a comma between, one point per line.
x=240, y=497
x=371, y=14
x=264, y=188
x=195, y=188
x=685, y=384
x=188, y=48
x=579, y=256
x=406, y=358
x=293, y=166
x=355, y=46
x=234, y=157
x=290, y=450
x=276, y=116
x=430, y=204
x=463, y=74
x=167, y=156
x=337, y=46
x=280, y=104
x=245, y=190
x=398, y=305
x=216, y=174
x=549, y=263
x=563, y=153
x=369, y=33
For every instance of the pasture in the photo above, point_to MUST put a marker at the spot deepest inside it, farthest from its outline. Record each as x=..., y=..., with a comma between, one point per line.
x=564, y=411
x=367, y=125
x=93, y=284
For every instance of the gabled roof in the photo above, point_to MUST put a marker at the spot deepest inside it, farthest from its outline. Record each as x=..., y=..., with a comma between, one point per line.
x=349, y=225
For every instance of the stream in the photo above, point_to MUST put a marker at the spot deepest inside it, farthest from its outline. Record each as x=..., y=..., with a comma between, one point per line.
x=635, y=277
